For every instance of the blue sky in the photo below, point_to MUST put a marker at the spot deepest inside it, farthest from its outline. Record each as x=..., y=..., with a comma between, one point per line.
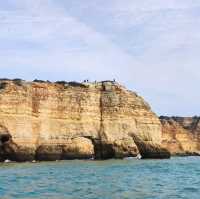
x=150, y=46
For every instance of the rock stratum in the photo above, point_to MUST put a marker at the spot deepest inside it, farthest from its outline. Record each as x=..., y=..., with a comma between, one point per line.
x=181, y=135
x=53, y=121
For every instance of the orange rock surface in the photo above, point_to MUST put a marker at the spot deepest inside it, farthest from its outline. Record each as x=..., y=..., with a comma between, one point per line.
x=74, y=120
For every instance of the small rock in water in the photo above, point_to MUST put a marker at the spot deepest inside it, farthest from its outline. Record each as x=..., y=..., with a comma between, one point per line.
x=34, y=161
x=7, y=161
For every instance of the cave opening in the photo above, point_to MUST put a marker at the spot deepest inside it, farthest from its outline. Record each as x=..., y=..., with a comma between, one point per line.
x=5, y=138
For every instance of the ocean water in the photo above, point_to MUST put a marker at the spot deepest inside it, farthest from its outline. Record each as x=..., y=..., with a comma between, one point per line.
x=112, y=179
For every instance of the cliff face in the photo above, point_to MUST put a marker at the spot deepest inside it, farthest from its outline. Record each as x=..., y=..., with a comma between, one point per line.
x=181, y=135
x=50, y=121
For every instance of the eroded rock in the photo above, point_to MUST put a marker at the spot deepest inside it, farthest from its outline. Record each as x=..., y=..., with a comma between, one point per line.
x=181, y=135
x=49, y=121
x=78, y=148
x=149, y=149
x=49, y=152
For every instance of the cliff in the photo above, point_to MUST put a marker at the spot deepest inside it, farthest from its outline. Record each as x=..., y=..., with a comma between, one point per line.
x=52, y=121
x=181, y=135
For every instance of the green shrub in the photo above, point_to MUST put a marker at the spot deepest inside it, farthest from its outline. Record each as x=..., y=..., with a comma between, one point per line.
x=39, y=81
x=77, y=84
x=3, y=85
x=18, y=82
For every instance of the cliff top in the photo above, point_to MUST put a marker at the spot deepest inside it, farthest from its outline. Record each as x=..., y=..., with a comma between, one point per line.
x=18, y=81
x=106, y=84
x=178, y=118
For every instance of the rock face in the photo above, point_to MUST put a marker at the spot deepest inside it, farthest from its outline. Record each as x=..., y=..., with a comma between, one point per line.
x=150, y=150
x=51, y=121
x=181, y=135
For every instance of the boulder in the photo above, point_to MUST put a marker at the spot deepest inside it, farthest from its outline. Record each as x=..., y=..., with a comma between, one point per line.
x=78, y=148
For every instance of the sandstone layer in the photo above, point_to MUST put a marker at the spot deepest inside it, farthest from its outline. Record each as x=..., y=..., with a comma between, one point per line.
x=52, y=121
x=181, y=135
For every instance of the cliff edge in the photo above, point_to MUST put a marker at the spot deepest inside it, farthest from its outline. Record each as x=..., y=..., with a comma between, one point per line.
x=181, y=135
x=69, y=120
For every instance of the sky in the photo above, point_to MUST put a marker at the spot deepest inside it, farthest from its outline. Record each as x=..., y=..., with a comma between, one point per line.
x=150, y=46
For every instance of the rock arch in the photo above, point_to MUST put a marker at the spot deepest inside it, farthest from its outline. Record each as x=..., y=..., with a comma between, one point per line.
x=148, y=149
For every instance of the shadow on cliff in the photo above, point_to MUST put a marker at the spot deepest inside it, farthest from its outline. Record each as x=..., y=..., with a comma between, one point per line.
x=102, y=151
x=99, y=150
x=7, y=146
x=9, y=150
x=148, y=149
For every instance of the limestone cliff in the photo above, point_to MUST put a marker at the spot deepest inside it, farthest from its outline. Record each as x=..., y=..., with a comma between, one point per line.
x=49, y=121
x=181, y=135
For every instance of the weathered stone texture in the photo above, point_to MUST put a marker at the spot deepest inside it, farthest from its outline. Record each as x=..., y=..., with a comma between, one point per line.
x=181, y=135
x=66, y=120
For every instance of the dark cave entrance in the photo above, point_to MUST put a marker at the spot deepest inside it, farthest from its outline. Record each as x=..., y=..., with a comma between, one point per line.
x=5, y=138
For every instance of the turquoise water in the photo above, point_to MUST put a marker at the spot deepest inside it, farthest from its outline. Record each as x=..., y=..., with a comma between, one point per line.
x=112, y=179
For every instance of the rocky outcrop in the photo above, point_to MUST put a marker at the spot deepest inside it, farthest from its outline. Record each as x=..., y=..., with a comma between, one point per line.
x=4, y=139
x=181, y=135
x=75, y=148
x=52, y=121
x=149, y=149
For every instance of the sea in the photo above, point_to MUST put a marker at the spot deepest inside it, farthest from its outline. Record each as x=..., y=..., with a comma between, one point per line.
x=175, y=178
